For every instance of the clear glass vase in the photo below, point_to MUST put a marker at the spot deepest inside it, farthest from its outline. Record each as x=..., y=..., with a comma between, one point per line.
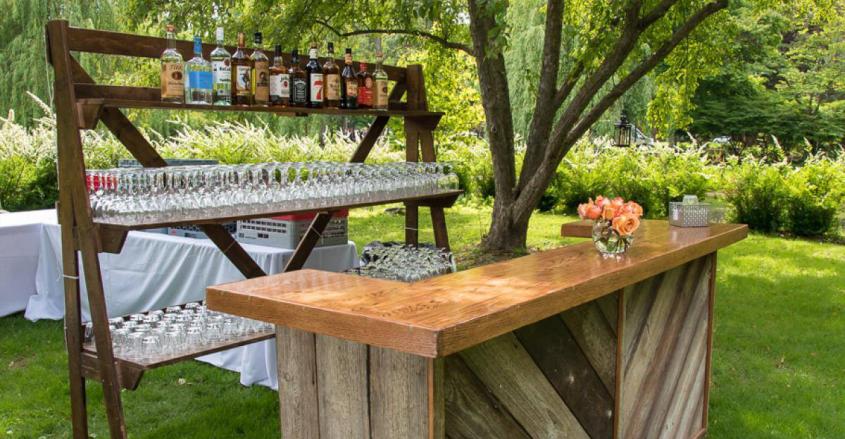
x=608, y=241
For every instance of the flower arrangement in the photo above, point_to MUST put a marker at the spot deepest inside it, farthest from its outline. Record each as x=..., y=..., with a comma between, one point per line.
x=615, y=222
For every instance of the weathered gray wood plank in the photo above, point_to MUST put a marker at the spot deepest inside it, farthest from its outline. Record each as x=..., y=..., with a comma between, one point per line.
x=504, y=366
x=342, y=388
x=596, y=338
x=399, y=406
x=297, y=369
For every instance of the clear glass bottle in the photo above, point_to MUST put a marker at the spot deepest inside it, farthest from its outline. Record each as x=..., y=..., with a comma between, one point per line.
x=199, y=85
x=260, y=73
x=380, y=80
x=221, y=72
x=172, y=71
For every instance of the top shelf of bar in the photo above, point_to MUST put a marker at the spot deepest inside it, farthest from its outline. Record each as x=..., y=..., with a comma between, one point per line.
x=155, y=104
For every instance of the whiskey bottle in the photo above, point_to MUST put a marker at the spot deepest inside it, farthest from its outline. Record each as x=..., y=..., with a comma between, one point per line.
x=260, y=74
x=332, y=78
x=348, y=83
x=315, y=79
x=221, y=72
x=380, y=80
x=241, y=74
x=279, y=80
x=365, y=87
x=198, y=85
x=172, y=71
x=298, y=82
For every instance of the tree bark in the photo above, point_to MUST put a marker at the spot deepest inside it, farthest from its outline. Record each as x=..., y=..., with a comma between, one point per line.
x=495, y=97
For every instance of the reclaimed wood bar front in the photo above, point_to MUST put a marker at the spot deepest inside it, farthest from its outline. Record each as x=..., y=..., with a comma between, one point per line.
x=561, y=343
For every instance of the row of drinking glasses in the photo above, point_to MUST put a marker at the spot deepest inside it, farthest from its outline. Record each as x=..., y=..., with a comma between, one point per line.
x=144, y=195
x=175, y=330
x=405, y=263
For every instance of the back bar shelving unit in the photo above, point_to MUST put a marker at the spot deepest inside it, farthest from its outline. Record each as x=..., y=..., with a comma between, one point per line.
x=81, y=104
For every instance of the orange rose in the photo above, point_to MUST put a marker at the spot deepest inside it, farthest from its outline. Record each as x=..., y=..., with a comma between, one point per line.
x=601, y=201
x=589, y=211
x=609, y=212
x=626, y=224
x=633, y=208
x=617, y=202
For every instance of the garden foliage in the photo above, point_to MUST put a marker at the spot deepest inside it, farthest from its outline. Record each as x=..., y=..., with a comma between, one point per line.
x=770, y=197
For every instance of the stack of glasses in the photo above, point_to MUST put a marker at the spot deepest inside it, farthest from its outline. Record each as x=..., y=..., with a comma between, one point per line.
x=176, y=330
x=177, y=193
x=404, y=263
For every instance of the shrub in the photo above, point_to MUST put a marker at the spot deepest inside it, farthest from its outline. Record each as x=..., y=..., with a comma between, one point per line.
x=815, y=194
x=758, y=195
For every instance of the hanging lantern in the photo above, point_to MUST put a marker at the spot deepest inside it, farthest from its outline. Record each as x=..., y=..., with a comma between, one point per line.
x=624, y=131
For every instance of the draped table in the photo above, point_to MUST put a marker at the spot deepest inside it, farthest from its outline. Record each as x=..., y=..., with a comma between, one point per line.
x=154, y=271
x=20, y=234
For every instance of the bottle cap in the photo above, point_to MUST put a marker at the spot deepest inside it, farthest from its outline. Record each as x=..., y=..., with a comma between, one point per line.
x=278, y=49
x=348, y=50
x=197, y=45
x=258, y=38
x=219, y=34
x=330, y=47
x=170, y=28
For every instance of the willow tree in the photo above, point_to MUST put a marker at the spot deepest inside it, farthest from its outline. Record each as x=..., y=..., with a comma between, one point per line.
x=592, y=52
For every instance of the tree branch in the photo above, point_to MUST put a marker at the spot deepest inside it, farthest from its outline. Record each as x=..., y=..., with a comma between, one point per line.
x=413, y=32
x=659, y=11
x=561, y=145
x=641, y=70
x=544, y=107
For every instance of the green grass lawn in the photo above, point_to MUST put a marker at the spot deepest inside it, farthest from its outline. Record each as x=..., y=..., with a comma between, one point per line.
x=779, y=360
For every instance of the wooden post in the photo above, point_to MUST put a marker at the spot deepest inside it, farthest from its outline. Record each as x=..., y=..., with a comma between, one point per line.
x=72, y=182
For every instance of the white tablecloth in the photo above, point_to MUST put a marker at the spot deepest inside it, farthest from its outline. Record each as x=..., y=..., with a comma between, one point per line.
x=155, y=270
x=20, y=235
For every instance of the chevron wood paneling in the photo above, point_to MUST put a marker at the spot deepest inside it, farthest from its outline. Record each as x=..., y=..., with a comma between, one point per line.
x=632, y=364
x=665, y=351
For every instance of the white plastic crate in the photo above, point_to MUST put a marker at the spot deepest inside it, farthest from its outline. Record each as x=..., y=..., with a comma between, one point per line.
x=286, y=231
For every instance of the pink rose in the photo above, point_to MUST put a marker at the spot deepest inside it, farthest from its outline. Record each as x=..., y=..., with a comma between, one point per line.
x=589, y=211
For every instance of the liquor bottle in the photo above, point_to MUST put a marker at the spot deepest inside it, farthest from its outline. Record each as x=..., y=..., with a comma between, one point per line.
x=198, y=86
x=260, y=74
x=221, y=72
x=279, y=80
x=348, y=83
x=172, y=71
x=332, y=78
x=298, y=82
x=241, y=74
x=365, y=87
x=380, y=80
x=315, y=79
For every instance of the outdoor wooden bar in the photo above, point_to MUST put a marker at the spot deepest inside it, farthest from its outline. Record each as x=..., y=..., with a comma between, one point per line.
x=560, y=343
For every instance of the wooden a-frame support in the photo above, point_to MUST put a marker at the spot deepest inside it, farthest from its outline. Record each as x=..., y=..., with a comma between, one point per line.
x=83, y=239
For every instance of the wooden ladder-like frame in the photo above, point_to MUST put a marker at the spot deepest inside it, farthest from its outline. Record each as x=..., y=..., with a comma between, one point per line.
x=81, y=104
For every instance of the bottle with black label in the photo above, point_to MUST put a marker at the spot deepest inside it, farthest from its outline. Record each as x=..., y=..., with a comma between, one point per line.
x=279, y=80
x=298, y=82
x=315, y=79
x=348, y=83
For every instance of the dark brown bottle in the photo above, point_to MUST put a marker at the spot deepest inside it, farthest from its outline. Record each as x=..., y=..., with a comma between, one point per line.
x=279, y=80
x=348, y=83
x=365, y=87
x=241, y=74
x=315, y=79
x=298, y=82
x=331, y=74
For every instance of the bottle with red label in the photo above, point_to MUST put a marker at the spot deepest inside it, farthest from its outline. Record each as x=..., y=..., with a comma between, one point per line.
x=314, y=72
x=365, y=87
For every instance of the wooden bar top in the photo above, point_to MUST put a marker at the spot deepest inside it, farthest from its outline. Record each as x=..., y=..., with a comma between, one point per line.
x=449, y=313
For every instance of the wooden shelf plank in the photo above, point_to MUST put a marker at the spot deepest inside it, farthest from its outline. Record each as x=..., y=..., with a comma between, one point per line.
x=443, y=199
x=284, y=111
x=194, y=352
